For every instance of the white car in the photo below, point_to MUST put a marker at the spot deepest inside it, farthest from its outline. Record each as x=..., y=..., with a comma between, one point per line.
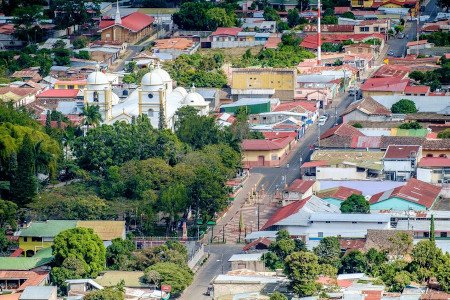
x=322, y=120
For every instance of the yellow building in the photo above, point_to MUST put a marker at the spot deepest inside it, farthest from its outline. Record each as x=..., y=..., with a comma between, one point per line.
x=269, y=152
x=371, y=4
x=70, y=84
x=40, y=235
x=264, y=83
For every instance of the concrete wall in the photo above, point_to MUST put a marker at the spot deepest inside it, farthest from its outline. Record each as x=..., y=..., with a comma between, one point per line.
x=339, y=173
x=357, y=115
x=223, y=289
x=196, y=257
x=271, y=157
x=396, y=204
x=427, y=175
x=257, y=265
x=398, y=165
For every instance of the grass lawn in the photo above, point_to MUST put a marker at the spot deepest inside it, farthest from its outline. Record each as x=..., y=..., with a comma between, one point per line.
x=149, y=10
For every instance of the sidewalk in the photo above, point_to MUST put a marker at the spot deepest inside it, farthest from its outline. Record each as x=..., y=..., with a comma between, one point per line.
x=230, y=220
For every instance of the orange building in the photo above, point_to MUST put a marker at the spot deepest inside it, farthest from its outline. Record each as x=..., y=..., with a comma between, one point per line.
x=129, y=29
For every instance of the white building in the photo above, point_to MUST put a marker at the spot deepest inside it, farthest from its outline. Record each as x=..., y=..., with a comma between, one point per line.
x=400, y=162
x=155, y=93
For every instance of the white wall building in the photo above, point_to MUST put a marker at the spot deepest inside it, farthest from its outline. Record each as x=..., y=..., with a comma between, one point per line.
x=400, y=162
x=155, y=92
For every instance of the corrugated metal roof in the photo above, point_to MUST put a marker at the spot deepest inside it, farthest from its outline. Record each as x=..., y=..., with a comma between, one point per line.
x=337, y=217
x=246, y=257
x=38, y=292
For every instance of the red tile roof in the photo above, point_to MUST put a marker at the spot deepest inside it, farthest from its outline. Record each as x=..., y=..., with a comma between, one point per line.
x=415, y=43
x=365, y=142
x=135, y=22
x=274, y=143
x=301, y=186
x=325, y=280
x=417, y=89
x=392, y=84
x=18, y=91
x=315, y=163
x=343, y=129
x=401, y=152
x=285, y=212
x=272, y=42
x=7, y=29
x=264, y=242
x=372, y=294
x=339, y=10
x=25, y=73
x=330, y=28
x=296, y=106
x=369, y=107
x=340, y=193
x=434, y=162
x=32, y=278
x=392, y=71
x=227, y=31
x=414, y=190
x=62, y=93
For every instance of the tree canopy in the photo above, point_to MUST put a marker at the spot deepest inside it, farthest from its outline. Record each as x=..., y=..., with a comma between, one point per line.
x=178, y=277
x=404, y=106
x=355, y=204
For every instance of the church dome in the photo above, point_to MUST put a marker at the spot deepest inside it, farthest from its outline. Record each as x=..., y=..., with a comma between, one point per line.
x=152, y=78
x=194, y=99
x=97, y=78
x=163, y=74
x=181, y=90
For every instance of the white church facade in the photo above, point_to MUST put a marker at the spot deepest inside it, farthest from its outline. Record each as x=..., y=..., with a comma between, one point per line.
x=154, y=94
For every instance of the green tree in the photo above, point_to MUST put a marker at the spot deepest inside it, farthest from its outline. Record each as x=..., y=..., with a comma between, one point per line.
x=348, y=15
x=270, y=14
x=83, y=54
x=427, y=258
x=374, y=260
x=173, y=202
x=357, y=125
x=80, y=42
x=177, y=276
x=302, y=268
x=71, y=268
x=219, y=17
x=24, y=186
x=278, y=296
x=400, y=244
x=410, y=125
x=92, y=115
x=354, y=262
x=432, y=231
x=118, y=254
x=329, y=20
x=443, y=275
x=293, y=17
x=4, y=242
x=26, y=23
x=170, y=252
x=8, y=214
x=404, y=106
x=73, y=12
x=105, y=294
x=355, y=204
x=329, y=251
x=400, y=281
x=82, y=244
x=444, y=134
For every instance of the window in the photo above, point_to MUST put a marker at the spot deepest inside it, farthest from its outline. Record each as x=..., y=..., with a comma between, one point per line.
x=70, y=87
x=376, y=29
x=320, y=234
x=429, y=155
x=95, y=96
x=150, y=96
x=443, y=234
x=354, y=222
x=36, y=239
x=426, y=234
x=150, y=112
x=380, y=222
x=364, y=29
x=360, y=2
x=327, y=222
x=443, y=155
x=25, y=239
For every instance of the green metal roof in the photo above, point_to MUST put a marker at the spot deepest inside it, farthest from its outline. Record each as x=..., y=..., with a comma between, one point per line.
x=48, y=228
x=42, y=257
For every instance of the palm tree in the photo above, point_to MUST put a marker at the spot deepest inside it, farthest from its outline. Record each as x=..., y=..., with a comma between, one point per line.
x=92, y=115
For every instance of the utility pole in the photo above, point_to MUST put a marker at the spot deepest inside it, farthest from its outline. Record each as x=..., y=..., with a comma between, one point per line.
x=417, y=33
x=335, y=115
x=319, y=38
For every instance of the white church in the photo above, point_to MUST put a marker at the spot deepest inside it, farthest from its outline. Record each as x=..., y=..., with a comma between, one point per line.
x=155, y=92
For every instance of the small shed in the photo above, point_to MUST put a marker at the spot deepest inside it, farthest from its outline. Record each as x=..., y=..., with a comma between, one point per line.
x=252, y=261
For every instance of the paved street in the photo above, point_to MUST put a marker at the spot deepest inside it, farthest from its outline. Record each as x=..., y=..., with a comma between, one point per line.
x=220, y=254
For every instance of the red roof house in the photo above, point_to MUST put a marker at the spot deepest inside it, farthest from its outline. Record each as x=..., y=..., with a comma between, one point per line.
x=415, y=194
x=343, y=129
x=131, y=28
x=340, y=193
x=58, y=94
x=226, y=31
x=392, y=85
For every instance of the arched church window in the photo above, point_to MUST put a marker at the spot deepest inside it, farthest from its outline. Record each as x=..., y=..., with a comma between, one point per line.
x=150, y=112
x=95, y=96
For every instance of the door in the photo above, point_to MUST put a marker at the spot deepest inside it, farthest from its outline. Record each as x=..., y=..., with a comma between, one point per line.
x=261, y=160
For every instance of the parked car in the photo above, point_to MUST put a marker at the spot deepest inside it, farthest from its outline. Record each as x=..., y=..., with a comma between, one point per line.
x=323, y=120
x=391, y=53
